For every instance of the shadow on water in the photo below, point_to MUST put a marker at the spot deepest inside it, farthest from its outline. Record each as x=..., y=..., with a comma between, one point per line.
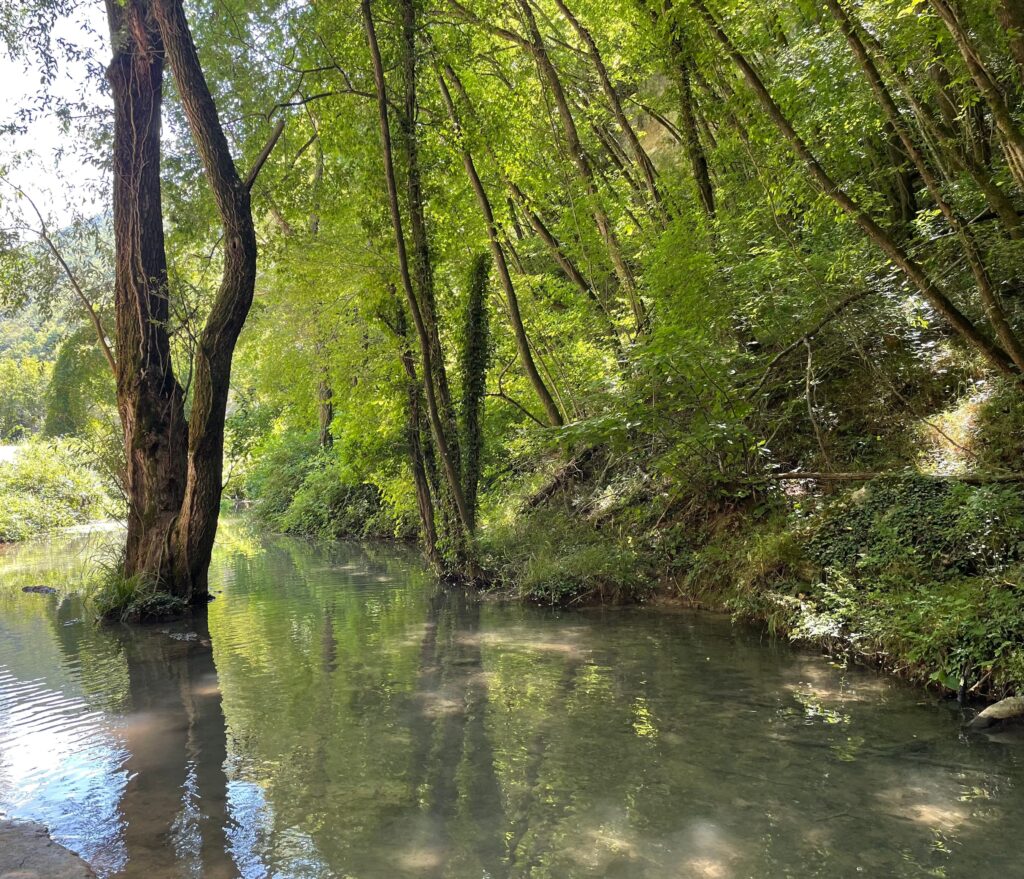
x=335, y=714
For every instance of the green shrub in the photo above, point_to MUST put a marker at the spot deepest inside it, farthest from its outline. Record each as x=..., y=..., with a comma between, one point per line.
x=550, y=556
x=326, y=507
x=47, y=487
x=280, y=469
x=298, y=489
x=916, y=529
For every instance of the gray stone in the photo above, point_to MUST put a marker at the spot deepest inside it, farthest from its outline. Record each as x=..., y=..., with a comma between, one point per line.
x=27, y=852
x=1011, y=708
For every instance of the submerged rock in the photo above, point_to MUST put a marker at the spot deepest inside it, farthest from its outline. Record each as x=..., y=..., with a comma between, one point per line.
x=27, y=852
x=39, y=590
x=1003, y=711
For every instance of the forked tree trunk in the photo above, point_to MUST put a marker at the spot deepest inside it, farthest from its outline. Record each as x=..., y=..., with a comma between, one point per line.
x=174, y=465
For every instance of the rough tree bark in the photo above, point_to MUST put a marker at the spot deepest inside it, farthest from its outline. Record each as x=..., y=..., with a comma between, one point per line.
x=174, y=464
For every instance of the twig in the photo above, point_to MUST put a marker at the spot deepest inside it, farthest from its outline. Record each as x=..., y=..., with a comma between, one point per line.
x=832, y=313
x=44, y=235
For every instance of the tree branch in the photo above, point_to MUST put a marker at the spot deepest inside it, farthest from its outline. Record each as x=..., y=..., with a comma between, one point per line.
x=250, y=178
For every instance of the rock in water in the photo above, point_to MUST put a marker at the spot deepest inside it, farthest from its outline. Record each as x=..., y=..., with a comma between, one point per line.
x=40, y=590
x=27, y=852
x=1006, y=709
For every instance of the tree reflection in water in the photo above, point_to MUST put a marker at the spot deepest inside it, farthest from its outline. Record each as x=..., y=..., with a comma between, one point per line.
x=335, y=714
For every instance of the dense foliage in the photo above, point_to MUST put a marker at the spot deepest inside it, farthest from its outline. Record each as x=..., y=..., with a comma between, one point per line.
x=597, y=296
x=46, y=487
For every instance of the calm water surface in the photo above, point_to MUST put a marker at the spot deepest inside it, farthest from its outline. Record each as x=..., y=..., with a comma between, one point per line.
x=335, y=715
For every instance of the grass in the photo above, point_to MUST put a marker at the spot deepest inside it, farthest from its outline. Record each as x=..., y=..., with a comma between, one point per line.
x=116, y=596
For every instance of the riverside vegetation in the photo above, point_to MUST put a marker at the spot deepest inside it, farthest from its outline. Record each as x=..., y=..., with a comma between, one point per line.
x=609, y=302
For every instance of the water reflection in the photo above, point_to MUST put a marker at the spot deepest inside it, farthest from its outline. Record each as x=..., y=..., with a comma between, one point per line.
x=333, y=714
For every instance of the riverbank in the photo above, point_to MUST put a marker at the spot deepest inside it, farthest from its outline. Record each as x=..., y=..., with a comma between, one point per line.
x=45, y=486
x=918, y=574
x=27, y=852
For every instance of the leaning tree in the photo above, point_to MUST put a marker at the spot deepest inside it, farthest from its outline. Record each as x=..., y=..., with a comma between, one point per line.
x=174, y=455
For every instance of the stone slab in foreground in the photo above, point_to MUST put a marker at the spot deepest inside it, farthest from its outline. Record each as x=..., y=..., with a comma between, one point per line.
x=27, y=852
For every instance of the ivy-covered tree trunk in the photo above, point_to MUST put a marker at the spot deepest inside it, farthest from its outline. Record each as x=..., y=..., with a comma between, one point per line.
x=474, y=360
x=439, y=410
x=174, y=465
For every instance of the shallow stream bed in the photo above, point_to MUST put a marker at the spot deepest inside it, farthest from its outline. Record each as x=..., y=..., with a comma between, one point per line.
x=334, y=715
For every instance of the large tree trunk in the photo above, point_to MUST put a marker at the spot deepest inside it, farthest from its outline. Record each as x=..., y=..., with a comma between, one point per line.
x=150, y=400
x=174, y=466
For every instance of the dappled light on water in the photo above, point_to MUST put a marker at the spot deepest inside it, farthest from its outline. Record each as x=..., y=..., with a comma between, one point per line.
x=334, y=714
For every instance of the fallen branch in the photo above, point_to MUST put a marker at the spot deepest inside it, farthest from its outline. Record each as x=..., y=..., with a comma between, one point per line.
x=830, y=315
x=867, y=476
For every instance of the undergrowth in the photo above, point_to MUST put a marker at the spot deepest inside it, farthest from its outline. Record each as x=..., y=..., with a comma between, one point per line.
x=115, y=596
x=46, y=487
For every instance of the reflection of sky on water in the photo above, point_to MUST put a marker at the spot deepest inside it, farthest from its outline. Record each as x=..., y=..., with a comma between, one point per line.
x=62, y=762
x=334, y=717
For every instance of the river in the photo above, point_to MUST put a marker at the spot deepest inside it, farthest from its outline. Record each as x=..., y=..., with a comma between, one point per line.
x=335, y=715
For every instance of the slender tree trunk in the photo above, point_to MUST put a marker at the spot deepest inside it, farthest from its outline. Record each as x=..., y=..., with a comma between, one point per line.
x=474, y=360
x=498, y=254
x=415, y=428
x=681, y=67
x=1010, y=135
x=555, y=248
x=440, y=434
x=948, y=148
x=694, y=148
x=421, y=262
x=325, y=413
x=578, y=156
x=931, y=291
x=565, y=262
x=990, y=301
x=643, y=161
x=1011, y=17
